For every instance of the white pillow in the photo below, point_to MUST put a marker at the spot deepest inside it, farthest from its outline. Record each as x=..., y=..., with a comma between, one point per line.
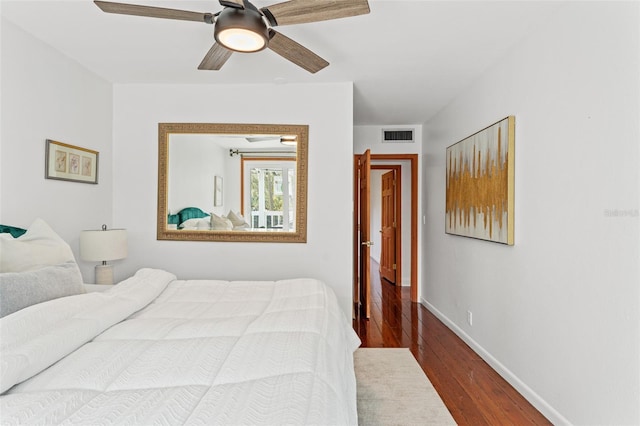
x=220, y=223
x=39, y=246
x=190, y=223
x=236, y=219
x=203, y=224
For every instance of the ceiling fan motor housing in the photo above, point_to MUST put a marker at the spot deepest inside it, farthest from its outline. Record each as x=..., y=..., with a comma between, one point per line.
x=241, y=30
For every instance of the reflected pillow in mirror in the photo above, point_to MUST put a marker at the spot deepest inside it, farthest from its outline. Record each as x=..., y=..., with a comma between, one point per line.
x=190, y=224
x=237, y=220
x=203, y=224
x=220, y=223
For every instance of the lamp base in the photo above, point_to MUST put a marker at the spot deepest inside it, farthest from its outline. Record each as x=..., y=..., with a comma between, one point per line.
x=104, y=274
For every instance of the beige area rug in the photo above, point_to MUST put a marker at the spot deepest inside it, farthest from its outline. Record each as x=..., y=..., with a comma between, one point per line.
x=393, y=390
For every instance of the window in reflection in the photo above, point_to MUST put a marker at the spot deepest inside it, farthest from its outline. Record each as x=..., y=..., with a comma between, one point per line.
x=269, y=185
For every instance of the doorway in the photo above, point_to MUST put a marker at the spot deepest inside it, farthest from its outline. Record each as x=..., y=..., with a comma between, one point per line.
x=361, y=237
x=386, y=221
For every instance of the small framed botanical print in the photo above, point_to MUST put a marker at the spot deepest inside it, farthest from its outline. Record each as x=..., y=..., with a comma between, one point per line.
x=69, y=162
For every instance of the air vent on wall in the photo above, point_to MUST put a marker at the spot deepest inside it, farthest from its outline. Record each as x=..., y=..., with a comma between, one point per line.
x=397, y=135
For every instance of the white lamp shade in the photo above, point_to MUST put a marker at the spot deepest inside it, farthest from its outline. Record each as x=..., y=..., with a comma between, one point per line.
x=101, y=246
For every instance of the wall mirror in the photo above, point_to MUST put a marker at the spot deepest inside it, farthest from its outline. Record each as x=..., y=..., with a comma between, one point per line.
x=232, y=182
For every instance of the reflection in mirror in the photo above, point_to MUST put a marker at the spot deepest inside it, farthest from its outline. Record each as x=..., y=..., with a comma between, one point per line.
x=232, y=182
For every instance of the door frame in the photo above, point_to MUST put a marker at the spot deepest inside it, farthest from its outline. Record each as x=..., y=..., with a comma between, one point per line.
x=413, y=163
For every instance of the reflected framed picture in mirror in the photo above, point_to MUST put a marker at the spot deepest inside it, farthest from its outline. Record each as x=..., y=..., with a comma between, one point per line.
x=217, y=194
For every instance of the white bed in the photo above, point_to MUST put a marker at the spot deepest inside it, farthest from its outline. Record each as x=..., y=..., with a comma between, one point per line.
x=158, y=350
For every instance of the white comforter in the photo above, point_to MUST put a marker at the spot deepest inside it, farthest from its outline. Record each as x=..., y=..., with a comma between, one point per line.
x=156, y=350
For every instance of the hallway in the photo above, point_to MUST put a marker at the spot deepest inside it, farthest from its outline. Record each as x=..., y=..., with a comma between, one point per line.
x=472, y=391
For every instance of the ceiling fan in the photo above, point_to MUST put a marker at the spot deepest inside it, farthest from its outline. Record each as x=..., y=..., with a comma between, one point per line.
x=242, y=27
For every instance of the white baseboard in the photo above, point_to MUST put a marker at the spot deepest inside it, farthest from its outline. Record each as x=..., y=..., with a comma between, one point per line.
x=538, y=402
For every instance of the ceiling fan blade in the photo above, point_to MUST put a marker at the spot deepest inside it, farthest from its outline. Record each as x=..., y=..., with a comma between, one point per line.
x=238, y=4
x=215, y=58
x=303, y=11
x=153, y=12
x=295, y=52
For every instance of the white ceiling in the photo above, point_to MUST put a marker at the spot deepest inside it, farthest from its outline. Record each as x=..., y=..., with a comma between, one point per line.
x=407, y=59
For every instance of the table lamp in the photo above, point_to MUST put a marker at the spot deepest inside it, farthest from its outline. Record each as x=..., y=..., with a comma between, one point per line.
x=102, y=246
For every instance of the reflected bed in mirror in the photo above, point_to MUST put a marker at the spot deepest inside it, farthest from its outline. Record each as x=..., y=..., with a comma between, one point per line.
x=232, y=182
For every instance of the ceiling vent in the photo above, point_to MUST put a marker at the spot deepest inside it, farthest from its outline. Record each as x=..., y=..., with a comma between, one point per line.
x=397, y=136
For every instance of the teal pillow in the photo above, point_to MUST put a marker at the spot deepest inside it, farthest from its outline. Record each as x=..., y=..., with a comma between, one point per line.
x=191, y=213
x=13, y=230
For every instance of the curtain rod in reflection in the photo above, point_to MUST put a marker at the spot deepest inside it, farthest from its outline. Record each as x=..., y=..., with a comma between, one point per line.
x=242, y=153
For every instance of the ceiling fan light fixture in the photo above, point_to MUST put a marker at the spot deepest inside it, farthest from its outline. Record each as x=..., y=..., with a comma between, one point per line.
x=241, y=40
x=241, y=30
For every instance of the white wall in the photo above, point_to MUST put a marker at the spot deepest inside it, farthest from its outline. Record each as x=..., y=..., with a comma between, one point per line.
x=370, y=137
x=558, y=313
x=194, y=162
x=45, y=95
x=326, y=108
x=63, y=101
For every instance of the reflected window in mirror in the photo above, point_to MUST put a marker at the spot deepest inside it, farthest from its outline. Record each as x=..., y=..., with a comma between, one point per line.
x=269, y=188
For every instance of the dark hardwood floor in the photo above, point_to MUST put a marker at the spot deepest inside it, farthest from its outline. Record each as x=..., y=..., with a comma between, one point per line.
x=472, y=391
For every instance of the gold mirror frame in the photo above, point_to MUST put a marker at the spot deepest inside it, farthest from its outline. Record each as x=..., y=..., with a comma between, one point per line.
x=299, y=235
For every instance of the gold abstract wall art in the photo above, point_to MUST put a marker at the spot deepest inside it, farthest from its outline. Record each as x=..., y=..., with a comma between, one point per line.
x=480, y=184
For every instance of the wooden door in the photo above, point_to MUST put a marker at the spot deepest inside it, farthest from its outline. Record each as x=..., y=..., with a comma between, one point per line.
x=365, y=231
x=388, y=228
